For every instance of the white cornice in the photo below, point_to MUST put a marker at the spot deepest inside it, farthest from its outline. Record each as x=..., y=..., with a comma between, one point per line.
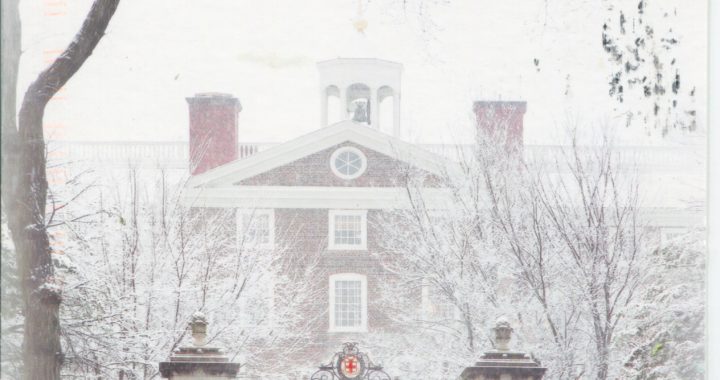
x=314, y=197
x=369, y=198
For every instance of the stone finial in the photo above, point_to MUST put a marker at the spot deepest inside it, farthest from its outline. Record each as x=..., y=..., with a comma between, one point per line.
x=503, y=333
x=198, y=326
x=502, y=363
x=199, y=361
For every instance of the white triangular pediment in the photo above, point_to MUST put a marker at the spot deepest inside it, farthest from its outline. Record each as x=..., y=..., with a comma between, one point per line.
x=344, y=131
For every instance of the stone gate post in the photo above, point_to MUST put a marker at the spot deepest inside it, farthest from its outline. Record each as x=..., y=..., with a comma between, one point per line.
x=502, y=363
x=199, y=361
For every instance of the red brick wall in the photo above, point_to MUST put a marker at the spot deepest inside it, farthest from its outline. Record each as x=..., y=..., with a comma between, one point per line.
x=314, y=170
x=306, y=235
x=308, y=229
x=503, y=118
x=213, y=131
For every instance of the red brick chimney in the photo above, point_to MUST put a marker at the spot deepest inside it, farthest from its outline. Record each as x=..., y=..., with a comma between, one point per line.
x=213, y=130
x=501, y=120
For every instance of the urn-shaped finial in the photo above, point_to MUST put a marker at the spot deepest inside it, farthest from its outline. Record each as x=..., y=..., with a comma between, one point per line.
x=199, y=361
x=503, y=333
x=198, y=327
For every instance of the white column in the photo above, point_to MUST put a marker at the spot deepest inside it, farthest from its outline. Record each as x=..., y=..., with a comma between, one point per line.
x=396, y=113
x=374, y=109
x=343, y=104
x=323, y=107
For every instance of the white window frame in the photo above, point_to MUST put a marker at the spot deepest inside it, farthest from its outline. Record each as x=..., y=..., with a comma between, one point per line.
x=242, y=213
x=363, y=299
x=363, y=230
x=339, y=151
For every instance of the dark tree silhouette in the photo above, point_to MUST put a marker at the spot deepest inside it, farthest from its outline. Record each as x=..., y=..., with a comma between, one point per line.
x=24, y=181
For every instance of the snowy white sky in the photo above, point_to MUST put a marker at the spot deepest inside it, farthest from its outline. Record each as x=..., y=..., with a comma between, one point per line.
x=158, y=52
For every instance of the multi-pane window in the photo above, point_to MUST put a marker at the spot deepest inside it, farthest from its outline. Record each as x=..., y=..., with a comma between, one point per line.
x=348, y=229
x=256, y=228
x=348, y=302
x=348, y=162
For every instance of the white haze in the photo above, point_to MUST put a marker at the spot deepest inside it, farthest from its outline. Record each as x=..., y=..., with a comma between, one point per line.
x=158, y=52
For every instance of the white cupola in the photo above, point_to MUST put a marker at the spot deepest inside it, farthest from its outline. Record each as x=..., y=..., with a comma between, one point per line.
x=365, y=90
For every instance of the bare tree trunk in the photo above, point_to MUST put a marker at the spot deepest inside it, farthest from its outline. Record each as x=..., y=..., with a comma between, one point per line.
x=25, y=189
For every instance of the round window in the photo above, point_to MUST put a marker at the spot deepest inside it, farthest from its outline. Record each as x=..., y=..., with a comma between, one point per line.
x=348, y=163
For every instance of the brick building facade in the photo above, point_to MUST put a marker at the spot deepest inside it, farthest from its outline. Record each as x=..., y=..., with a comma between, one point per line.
x=320, y=193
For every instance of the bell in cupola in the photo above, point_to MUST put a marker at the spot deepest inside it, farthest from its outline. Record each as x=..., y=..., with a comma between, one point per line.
x=360, y=111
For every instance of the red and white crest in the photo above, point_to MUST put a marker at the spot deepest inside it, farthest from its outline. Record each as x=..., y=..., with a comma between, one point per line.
x=350, y=366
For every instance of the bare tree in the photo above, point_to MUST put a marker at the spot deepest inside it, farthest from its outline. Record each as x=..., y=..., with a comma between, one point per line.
x=25, y=190
x=556, y=241
x=649, y=79
x=442, y=284
x=143, y=262
x=12, y=323
x=594, y=211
